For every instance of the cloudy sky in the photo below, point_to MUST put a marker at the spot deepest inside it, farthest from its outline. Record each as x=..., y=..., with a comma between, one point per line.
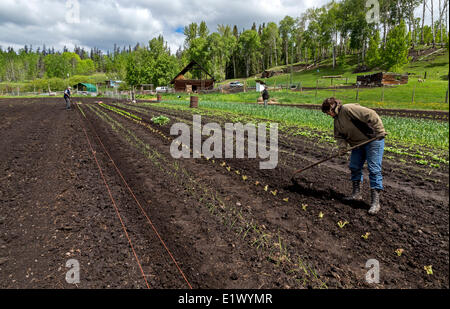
x=101, y=23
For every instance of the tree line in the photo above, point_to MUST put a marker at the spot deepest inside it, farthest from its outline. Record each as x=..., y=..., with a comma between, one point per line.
x=333, y=31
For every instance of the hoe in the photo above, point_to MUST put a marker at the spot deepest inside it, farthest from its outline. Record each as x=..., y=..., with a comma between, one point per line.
x=329, y=158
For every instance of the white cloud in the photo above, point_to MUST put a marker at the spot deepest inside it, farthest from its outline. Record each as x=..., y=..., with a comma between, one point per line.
x=127, y=22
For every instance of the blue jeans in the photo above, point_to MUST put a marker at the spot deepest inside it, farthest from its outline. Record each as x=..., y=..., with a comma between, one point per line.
x=373, y=154
x=67, y=102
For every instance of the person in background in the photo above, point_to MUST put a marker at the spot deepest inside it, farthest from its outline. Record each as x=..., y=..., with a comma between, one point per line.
x=353, y=125
x=265, y=96
x=67, y=96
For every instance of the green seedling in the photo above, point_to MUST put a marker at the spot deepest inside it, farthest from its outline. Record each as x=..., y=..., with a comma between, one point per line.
x=286, y=199
x=365, y=236
x=274, y=192
x=304, y=206
x=244, y=178
x=161, y=120
x=321, y=215
x=342, y=224
x=399, y=251
x=428, y=269
x=266, y=188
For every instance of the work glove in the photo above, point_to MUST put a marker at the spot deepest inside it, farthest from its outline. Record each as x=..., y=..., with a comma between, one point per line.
x=342, y=151
x=339, y=150
x=342, y=146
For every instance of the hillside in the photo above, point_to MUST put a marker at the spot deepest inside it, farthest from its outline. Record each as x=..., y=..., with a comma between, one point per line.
x=436, y=65
x=429, y=95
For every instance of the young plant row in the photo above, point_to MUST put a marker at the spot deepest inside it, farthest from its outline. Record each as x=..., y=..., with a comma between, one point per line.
x=260, y=241
x=403, y=132
x=257, y=235
x=120, y=111
x=433, y=134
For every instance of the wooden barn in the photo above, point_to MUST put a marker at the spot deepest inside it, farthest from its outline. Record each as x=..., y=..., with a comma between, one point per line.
x=382, y=78
x=180, y=84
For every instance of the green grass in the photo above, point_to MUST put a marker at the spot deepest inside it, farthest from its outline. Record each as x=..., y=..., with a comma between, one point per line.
x=436, y=67
x=405, y=131
x=427, y=96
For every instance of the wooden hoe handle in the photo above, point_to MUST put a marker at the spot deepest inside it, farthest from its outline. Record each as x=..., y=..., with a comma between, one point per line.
x=333, y=156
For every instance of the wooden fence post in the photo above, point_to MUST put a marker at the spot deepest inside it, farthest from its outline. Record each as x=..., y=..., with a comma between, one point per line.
x=317, y=85
x=446, y=94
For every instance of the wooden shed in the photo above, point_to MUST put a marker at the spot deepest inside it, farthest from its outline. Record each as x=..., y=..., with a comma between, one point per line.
x=180, y=84
x=382, y=78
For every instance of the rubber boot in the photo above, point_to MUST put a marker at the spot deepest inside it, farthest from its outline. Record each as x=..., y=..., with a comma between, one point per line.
x=356, y=193
x=374, y=201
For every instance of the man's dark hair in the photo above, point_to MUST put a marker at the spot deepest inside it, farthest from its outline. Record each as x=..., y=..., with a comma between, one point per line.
x=330, y=104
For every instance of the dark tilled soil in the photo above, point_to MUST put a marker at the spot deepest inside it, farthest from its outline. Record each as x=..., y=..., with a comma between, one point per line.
x=200, y=225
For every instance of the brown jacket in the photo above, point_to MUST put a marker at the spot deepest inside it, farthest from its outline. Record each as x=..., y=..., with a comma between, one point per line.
x=355, y=124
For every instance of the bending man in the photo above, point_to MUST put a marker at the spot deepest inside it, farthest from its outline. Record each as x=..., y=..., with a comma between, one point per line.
x=355, y=124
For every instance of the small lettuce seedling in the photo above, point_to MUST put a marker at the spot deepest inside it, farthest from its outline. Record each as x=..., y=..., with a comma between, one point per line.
x=365, y=236
x=429, y=269
x=286, y=199
x=304, y=206
x=399, y=251
x=321, y=215
x=342, y=224
x=161, y=120
x=266, y=188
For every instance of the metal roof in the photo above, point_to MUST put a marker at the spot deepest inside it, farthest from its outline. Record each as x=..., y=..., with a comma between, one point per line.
x=189, y=67
x=89, y=87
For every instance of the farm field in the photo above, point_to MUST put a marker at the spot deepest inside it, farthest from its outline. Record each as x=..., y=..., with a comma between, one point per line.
x=98, y=184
